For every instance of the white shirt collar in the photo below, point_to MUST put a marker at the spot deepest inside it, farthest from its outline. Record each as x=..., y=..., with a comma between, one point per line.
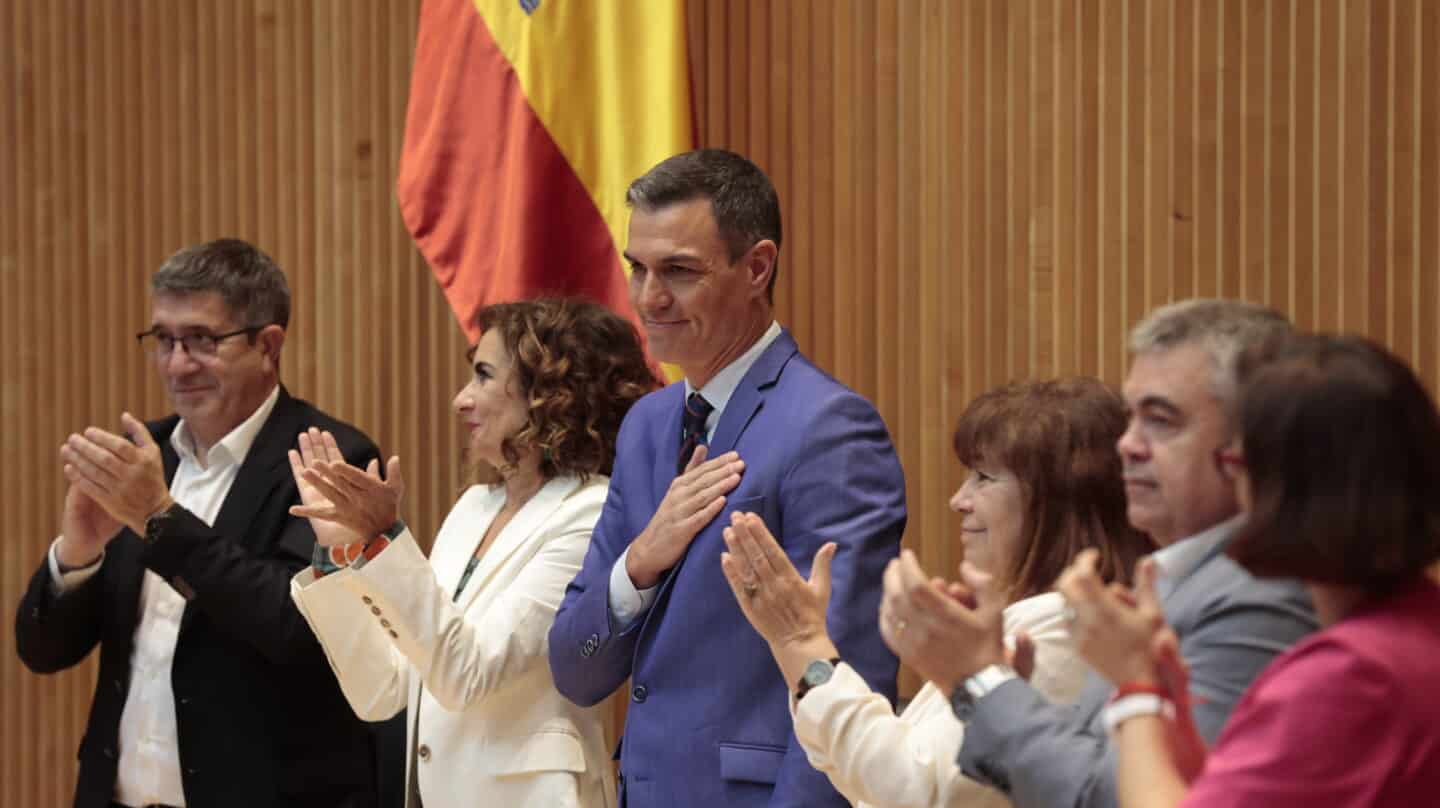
x=235, y=445
x=1181, y=558
x=719, y=389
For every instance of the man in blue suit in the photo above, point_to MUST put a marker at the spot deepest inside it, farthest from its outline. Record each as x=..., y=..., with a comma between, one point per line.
x=754, y=427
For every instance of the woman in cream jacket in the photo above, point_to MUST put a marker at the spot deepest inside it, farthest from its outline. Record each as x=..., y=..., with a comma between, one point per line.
x=460, y=639
x=1044, y=484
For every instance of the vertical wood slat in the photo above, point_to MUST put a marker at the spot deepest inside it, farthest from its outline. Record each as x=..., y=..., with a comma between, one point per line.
x=975, y=192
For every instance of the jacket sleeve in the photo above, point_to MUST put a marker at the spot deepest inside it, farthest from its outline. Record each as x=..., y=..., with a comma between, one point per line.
x=243, y=594
x=875, y=757
x=54, y=632
x=464, y=658
x=845, y=486
x=373, y=675
x=589, y=659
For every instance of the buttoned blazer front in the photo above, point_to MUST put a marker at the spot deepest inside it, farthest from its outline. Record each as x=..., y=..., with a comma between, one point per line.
x=493, y=730
x=252, y=690
x=708, y=722
x=1231, y=626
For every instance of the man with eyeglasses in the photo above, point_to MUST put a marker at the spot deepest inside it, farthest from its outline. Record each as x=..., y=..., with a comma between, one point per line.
x=175, y=557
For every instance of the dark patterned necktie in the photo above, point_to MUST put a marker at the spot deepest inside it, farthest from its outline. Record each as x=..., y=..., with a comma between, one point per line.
x=692, y=428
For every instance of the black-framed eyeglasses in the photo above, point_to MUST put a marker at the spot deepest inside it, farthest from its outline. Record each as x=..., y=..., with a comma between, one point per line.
x=162, y=343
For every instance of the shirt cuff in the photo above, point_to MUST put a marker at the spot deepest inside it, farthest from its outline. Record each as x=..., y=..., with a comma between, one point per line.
x=60, y=582
x=628, y=604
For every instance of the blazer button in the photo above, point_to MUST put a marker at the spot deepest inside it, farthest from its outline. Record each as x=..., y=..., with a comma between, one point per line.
x=423, y=752
x=109, y=752
x=375, y=610
x=384, y=623
x=639, y=693
x=393, y=635
x=366, y=600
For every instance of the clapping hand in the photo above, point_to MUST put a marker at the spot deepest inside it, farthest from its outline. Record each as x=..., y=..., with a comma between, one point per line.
x=343, y=503
x=787, y=610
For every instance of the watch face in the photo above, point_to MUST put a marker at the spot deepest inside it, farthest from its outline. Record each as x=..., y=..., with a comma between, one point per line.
x=818, y=672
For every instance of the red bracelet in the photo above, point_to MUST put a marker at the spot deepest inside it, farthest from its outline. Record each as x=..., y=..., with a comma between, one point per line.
x=1133, y=688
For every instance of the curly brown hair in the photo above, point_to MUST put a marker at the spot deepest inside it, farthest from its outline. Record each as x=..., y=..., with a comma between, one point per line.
x=1058, y=438
x=580, y=367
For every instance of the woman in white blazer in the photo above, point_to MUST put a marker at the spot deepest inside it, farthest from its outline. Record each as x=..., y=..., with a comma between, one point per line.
x=460, y=639
x=1045, y=483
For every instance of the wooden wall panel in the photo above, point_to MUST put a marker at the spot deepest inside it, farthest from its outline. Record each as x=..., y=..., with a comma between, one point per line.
x=131, y=129
x=977, y=192
x=974, y=192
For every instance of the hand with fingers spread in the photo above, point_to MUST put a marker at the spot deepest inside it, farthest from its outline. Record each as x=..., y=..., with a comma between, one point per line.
x=1115, y=631
x=125, y=477
x=787, y=610
x=945, y=632
x=343, y=503
x=692, y=501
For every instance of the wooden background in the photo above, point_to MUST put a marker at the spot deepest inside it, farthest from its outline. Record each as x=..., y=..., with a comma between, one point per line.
x=974, y=192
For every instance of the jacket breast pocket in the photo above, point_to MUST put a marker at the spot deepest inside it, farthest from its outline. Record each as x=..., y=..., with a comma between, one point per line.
x=751, y=762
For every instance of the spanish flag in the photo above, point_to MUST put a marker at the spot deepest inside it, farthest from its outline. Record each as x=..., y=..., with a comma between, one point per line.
x=526, y=122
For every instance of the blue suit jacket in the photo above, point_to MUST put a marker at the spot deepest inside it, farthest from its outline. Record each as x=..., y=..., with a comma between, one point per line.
x=708, y=721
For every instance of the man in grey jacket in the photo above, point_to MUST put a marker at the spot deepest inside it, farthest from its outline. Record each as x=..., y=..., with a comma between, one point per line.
x=1180, y=393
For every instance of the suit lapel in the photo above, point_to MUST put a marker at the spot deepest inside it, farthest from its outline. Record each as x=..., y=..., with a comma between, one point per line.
x=518, y=534
x=258, y=475
x=749, y=396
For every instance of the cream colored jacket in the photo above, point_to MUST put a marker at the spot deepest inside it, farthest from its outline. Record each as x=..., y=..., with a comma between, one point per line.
x=880, y=760
x=493, y=729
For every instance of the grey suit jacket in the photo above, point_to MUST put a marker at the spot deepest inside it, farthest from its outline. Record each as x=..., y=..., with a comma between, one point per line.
x=1049, y=756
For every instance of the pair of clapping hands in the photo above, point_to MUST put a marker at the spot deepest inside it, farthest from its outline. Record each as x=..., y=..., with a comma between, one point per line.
x=949, y=630
x=344, y=504
x=119, y=481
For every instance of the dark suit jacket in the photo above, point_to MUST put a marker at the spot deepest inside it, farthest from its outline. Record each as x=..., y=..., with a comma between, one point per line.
x=709, y=722
x=260, y=717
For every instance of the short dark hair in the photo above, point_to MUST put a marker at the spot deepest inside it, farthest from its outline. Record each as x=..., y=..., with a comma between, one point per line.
x=580, y=367
x=742, y=199
x=1058, y=438
x=1342, y=449
x=248, y=280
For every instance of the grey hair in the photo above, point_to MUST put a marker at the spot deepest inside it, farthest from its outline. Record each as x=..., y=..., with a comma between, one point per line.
x=1223, y=328
x=248, y=280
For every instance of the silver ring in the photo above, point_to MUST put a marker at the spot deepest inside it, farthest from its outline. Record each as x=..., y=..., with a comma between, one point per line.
x=900, y=626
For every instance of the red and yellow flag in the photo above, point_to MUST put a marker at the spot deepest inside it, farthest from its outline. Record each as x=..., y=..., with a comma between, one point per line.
x=527, y=121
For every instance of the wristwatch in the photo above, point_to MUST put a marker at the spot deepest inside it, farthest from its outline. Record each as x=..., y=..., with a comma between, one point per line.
x=155, y=523
x=963, y=699
x=816, y=673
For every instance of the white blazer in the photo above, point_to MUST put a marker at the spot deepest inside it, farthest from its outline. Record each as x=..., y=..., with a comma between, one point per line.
x=880, y=760
x=493, y=730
